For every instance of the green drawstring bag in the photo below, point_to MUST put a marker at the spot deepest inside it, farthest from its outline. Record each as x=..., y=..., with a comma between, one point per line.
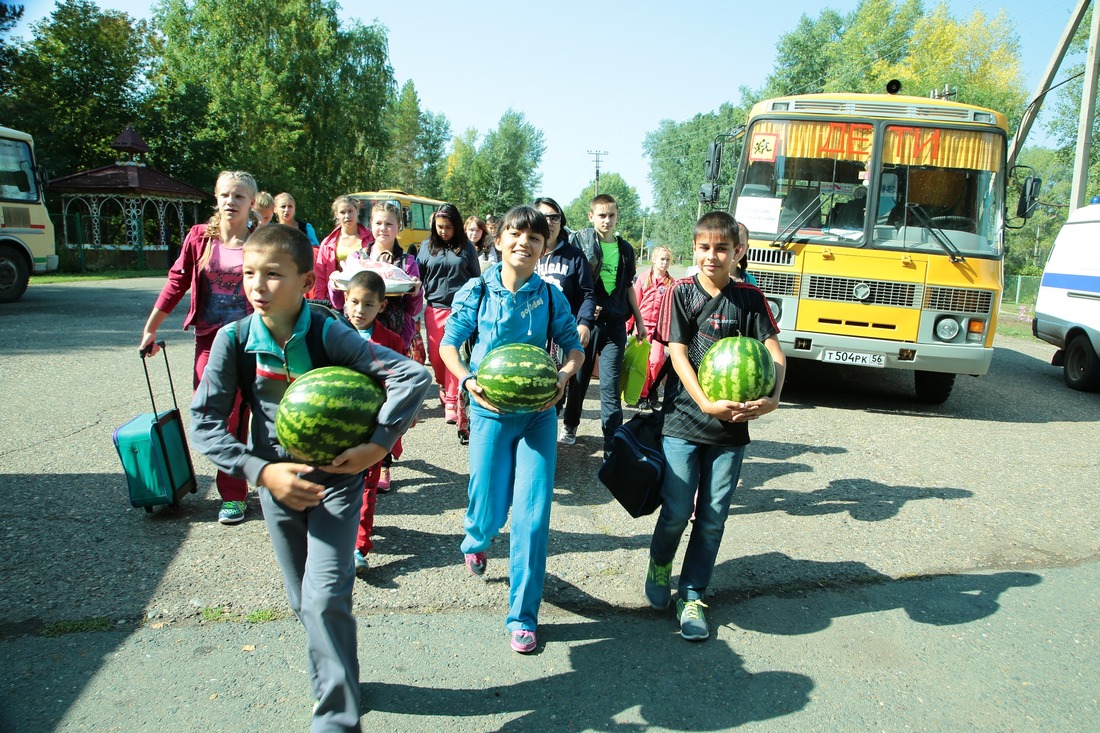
x=635, y=363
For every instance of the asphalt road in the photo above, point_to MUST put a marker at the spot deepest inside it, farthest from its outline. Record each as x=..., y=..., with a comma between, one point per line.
x=886, y=566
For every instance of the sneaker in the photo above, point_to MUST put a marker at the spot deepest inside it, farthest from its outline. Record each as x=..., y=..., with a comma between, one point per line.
x=476, y=562
x=568, y=435
x=232, y=512
x=657, y=585
x=524, y=641
x=361, y=564
x=644, y=405
x=693, y=624
x=451, y=414
x=384, y=481
x=463, y=437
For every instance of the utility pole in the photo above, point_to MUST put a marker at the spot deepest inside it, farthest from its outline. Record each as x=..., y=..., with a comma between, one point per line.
x=597, y=153
x=1077, y=195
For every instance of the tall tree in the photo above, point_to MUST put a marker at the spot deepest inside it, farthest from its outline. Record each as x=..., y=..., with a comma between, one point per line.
x=509, y=160
x=435, y=133
x=462, y=179
x=9, y=16
x=77, y=83
x=403, y=122
x=626, y=196
x=290, y=93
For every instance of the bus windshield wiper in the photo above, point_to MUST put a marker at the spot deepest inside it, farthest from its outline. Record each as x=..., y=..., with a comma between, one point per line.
x=784, y=238
x=937, y=234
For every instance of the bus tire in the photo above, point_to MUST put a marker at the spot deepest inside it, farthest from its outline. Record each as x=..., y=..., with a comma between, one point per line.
x=14, y=274
x=933, y=388
x=1081, y=365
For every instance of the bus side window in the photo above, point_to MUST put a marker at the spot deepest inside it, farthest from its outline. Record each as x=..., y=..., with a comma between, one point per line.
x=406, y=212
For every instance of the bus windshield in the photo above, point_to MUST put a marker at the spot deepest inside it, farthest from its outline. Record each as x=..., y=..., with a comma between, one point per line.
x=17, y=181
x=935, y=189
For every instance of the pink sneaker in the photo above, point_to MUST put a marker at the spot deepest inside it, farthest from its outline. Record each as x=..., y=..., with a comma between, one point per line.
x=524, y=641
x=384, y=481
x=476, y=562
x=451, y=414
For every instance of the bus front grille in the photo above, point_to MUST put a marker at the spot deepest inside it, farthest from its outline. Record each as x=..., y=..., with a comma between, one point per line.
x=959, y=300
x=776, y=283
x=856, y=290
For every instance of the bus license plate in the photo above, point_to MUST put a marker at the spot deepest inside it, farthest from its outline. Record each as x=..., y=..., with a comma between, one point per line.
x=856, y=358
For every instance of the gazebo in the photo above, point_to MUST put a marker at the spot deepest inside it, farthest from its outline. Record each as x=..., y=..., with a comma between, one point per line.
x=126, y=214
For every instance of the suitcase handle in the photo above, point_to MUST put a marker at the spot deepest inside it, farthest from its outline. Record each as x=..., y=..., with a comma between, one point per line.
x=144, y=353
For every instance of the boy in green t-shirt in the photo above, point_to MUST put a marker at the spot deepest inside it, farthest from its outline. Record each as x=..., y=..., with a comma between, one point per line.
x=613, y=269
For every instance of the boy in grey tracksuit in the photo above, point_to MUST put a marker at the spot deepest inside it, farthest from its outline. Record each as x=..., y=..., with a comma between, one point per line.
x=312, y=513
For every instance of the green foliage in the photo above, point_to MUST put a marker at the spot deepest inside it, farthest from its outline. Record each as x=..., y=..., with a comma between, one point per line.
x=631, y=212
x=498, y=174
x=287, y=93
x=417, y=146
x=76, y=83
x=9, y=16
x=676, y=153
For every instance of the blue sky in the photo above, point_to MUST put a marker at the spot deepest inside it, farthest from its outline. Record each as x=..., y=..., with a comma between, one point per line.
x=599, y=76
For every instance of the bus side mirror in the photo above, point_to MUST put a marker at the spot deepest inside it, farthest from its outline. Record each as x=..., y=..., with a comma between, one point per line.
x=708, y=193
x=1029, y=197
x=714, y=161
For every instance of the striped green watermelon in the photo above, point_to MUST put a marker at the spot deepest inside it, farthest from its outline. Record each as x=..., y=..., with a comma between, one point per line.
x=739, y=369
x=518, y=377
x=326, y=411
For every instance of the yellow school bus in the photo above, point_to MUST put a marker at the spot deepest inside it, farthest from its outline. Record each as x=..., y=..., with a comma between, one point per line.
x=877, y=230
x=26, y=232
x=416, y=213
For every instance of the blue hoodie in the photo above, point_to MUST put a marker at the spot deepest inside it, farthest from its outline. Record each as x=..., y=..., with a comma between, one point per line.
x=506, y=318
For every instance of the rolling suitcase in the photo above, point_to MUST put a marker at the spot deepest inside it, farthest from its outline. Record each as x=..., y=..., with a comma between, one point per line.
x=154, y=453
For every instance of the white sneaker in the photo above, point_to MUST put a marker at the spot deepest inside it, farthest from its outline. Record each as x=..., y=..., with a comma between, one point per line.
x=568, y=435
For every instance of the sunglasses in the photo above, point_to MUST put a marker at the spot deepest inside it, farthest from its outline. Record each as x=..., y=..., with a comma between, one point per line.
x=553, y=218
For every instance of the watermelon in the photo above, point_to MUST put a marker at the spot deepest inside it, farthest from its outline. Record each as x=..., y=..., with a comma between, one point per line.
x=518, y=377
x=739, y=369
x=326, y=411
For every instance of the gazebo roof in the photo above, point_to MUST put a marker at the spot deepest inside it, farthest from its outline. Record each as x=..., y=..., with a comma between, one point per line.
x=128, y=179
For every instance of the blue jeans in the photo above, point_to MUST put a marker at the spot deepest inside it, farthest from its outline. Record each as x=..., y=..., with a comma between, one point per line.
x=713, y=470
x=609, y=341
x=512, y=461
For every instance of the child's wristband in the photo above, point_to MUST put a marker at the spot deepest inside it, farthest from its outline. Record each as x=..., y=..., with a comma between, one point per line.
x=467, y=378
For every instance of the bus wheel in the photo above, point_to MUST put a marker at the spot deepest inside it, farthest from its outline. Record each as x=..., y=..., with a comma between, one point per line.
x=14, y=275
x=1081, y=365
x=933, y=388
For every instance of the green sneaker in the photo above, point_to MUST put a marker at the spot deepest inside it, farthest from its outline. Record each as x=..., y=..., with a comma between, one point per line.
x=232, y=512
x=657, y=585
x=693, y=624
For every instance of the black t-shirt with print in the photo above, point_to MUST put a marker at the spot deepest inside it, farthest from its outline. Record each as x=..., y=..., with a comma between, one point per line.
x=743, y=311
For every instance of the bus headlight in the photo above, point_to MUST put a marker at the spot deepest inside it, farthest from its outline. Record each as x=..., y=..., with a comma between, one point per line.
x=776, y=307
x=947, y=328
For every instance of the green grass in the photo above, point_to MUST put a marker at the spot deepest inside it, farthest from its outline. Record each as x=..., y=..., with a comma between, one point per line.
x=1016, y=321
x=215, y=614
x=261, y=616
x=54, y=278
x=77, y=626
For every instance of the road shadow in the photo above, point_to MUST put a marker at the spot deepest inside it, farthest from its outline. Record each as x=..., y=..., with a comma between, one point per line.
x=623, y=664
x=772, y=593
x=862, y=499
x=1039, y=394
x=89, y=528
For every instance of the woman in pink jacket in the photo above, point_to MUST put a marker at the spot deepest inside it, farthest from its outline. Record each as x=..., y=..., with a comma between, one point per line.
x=209, y=266
x=347, y=238
x=650, y=289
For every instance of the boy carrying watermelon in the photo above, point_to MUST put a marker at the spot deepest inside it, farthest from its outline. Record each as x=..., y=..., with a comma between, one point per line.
x=704, y=440
x=512, y=451
x=312, y=512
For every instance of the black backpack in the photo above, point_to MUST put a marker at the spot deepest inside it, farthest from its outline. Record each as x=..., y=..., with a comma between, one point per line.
x=635, y=466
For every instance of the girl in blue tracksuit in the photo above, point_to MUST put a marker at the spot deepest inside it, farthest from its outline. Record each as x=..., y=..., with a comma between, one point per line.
x=512, y=455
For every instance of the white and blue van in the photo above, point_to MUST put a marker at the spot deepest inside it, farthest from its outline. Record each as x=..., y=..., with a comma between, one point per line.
x=1067, y=311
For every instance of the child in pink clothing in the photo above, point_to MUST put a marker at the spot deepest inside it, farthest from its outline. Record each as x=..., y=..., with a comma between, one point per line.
x=651, y=289
x=364, y=299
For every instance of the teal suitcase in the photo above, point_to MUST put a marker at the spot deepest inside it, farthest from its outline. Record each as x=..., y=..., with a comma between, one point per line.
x=154, y=453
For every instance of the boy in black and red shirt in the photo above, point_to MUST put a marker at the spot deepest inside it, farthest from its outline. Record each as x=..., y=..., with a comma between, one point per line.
x=704, y=441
